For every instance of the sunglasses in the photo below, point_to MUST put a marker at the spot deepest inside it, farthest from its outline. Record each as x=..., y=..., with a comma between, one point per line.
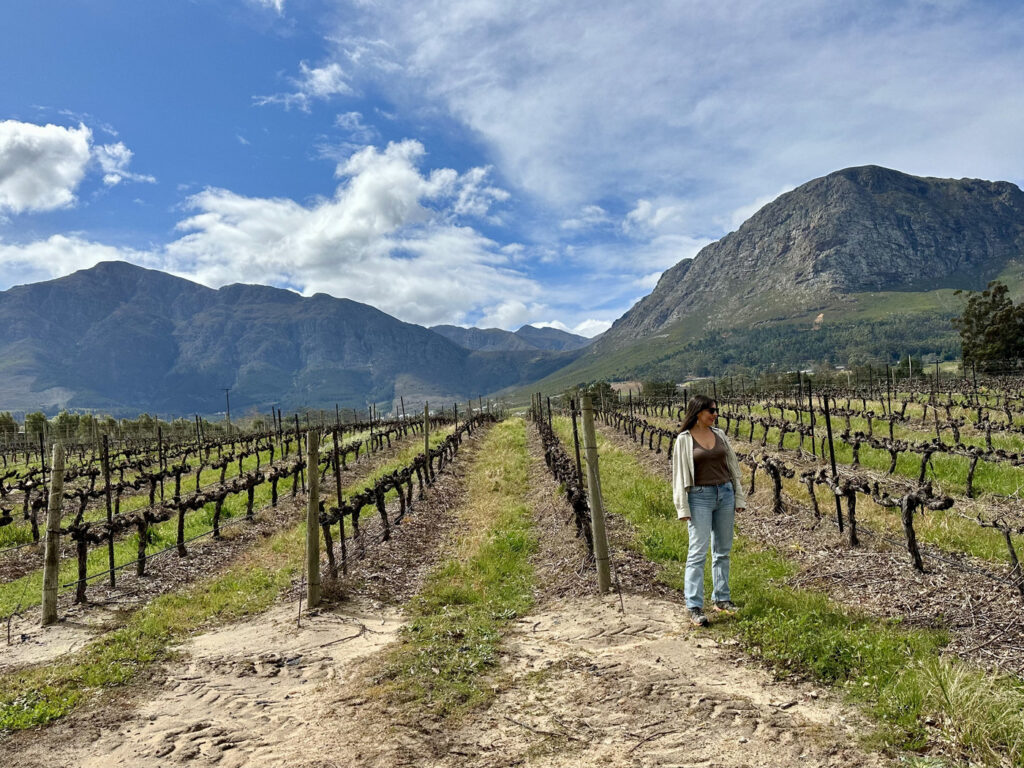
x=711, y=410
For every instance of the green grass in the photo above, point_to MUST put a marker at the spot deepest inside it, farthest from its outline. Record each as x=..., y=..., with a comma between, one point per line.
x=39, y=695
x=457, y=620
x=894, y=671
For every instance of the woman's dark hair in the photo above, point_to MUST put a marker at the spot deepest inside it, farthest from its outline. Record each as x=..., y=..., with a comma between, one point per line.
x=697, y=404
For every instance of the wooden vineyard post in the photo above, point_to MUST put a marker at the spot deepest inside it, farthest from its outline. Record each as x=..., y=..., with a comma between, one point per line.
x=313, y=520
x=604, y=579
x=341, y=518
x=573, y=405
x=52, y=551
x=298, y=449
x=832, y=458
x=810, y=414
x=426, y=429
x=110, y=511
x=160, y=457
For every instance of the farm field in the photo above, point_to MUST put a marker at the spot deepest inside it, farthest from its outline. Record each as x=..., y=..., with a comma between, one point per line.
x=475, y=635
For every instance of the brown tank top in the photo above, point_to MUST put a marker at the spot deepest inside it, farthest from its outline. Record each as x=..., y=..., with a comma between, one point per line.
x=711, y=467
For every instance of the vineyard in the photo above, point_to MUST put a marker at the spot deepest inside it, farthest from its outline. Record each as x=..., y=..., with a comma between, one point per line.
x=426, y=589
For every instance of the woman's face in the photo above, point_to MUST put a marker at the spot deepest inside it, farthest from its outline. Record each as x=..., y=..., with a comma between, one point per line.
x=707, y=417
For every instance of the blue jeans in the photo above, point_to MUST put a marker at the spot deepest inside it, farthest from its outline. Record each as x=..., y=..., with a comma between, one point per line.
x=712, y=514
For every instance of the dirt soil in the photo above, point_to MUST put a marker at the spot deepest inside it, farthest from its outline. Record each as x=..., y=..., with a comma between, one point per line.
x=619, y=680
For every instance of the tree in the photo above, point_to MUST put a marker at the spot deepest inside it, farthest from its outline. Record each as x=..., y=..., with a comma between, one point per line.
x=991, y=326
x=8, y=426
x=35, y=424
x=65, y=425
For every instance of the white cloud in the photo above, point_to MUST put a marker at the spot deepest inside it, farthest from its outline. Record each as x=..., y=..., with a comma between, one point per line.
x=274, y=5
x=476, y=195
x=356, y=130
x=653, y=217
x=313, y=83
x=41, y=166
x=60, y=255
x=510, y=313
x=589, y=327
x=113, y=160
x=589, y=216
x=389, y=237
x=716, y=104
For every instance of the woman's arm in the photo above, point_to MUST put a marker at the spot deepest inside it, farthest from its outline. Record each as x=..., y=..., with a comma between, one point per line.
x=679, y=497
x=737, y=479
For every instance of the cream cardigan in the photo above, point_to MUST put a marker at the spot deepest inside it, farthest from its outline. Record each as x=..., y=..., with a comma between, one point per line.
x=682, y=472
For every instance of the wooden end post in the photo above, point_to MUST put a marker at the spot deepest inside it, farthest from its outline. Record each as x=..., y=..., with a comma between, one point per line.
x=604, y=579
x=313, y=520
x=51, y=558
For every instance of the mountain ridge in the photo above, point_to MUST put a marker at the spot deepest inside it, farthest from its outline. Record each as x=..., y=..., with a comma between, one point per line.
x=856, y=230
x=498, y=340
x=126, y=338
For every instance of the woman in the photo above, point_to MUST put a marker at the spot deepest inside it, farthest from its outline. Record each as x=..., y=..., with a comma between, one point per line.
x=707, y=492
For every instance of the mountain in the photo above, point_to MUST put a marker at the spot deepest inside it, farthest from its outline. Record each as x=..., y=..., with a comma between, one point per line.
x=127, y=339
x=858, y=230
x=552, y=339
x=526, y=338
x=857, y=265
x=482, y=339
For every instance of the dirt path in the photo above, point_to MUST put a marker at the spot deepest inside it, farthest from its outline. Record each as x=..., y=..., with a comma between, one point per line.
x=593, y=686
x=582, y=683
x=241, y=696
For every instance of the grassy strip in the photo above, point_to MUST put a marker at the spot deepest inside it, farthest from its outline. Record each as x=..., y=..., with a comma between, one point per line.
x=33, y=697
x=896, y=672
x=457, y=619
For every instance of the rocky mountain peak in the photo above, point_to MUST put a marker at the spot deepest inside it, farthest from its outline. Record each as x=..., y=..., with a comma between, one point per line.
x=859, y=229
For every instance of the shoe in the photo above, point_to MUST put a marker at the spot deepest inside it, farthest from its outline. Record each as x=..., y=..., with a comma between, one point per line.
x=726, y=605
x=697, y=617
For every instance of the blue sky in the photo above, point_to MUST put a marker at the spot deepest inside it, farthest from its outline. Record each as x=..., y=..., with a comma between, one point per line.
x=479, y=163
